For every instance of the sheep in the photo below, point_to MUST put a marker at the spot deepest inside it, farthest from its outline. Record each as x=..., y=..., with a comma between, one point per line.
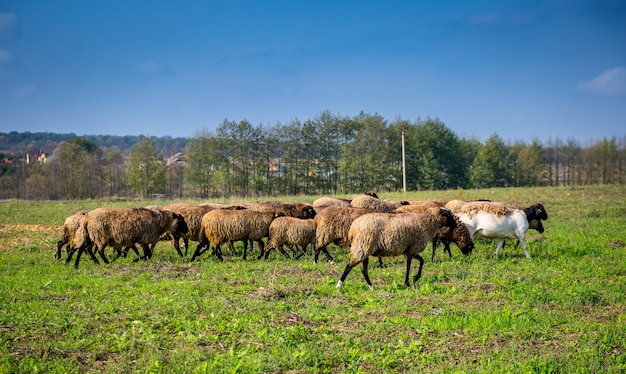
x=331, y=201
x=119, y=227
x=455, y=205
x=369, y=202
x=296, y=210
x=393, y=234
x=460, y=235
x=193, y=216
x=221, y=226
x=497, y=221
x=291, y=231
x=70, y=225
x=332, y=225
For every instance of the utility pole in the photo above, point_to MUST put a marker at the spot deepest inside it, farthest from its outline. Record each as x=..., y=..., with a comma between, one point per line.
x=403, y=166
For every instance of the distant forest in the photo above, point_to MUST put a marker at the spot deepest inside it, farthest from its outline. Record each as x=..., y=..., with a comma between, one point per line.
x=14, y=143
x=326, y=155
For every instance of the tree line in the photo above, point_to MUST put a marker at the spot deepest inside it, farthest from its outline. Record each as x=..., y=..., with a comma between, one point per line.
x=327, y=155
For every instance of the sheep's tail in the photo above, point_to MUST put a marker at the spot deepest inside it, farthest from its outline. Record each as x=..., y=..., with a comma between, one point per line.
x=82, y=238
x=359, y=253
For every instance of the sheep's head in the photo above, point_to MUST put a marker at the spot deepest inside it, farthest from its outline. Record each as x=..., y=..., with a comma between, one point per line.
x=305, y=211
x=372, y=194
x=179, y=225
x=448, y=217
x=539, y=211
x=536, y=224
x=461, y=236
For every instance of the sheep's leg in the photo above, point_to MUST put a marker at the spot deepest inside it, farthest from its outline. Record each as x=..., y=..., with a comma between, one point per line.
x=245, y=248
x=408, y=271
x=177, y=246
x=349, y=267
x=199, y=251
x=364, y=264
x=80, y=252
x=380, y=262
x=60, y=244
x=302, y=252
x=261, y=245
x=147, y=252
x=522, y=240
x=268, y=249
x=118, y=253
x=282, y=250
x=325, y=251
x=186, y=241
x=217, y=251
x=70, y=254
x=434, y=245
x=500, y=245
x=89, y=250
x=419, y=271
x=447, y=249
x=102, y=255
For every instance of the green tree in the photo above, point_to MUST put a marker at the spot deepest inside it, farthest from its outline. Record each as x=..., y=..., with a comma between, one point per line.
x=489, y=168
x=366, y=161
x=204, y=164
x=440, y=162
x=77, y=168
x=146, y=169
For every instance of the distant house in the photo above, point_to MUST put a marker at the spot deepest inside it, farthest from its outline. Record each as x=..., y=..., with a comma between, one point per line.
x=42, y=155
x=178, y=158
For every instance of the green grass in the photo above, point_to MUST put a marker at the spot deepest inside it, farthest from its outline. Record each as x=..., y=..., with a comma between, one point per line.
x=563, y=310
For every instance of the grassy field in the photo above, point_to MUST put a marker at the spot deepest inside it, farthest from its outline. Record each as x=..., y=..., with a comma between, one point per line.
x=562, y=311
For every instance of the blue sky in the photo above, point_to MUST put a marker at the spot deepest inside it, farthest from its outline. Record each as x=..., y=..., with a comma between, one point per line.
x=521, y=69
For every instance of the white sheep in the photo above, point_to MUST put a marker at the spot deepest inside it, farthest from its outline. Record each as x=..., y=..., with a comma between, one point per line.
x=390, y=235
x=495, y=221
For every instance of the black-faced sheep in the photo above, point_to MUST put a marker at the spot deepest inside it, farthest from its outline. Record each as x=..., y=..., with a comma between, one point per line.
x=292, y=232
x=499, y=221
x=121, y=227
x=223, y=226
x=460, y=235
x=390, y=235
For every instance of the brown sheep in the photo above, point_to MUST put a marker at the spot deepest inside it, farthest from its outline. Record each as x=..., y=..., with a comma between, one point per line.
x=193, y=216
x=455, y=205
x=390, y=235
x=460, y=235
x=120, y=227
x=296, y=210
x=368, y=202
x=332, y=225
x=70, y=225
x=223, y=226
x=331, y=201
x=290, y=231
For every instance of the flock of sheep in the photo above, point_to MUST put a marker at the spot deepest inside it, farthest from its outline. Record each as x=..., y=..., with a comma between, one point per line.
x=365, y=225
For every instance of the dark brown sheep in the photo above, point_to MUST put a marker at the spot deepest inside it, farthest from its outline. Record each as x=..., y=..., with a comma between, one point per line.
x=460, y=235
x=121, y=227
